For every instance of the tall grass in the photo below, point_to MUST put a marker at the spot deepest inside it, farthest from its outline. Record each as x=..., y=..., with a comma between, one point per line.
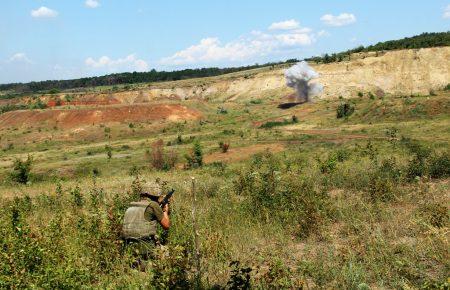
x=343, y=217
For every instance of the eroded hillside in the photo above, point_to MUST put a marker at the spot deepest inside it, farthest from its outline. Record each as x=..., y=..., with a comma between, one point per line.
x=395, y=72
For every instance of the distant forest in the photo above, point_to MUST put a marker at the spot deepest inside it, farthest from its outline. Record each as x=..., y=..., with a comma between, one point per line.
x=420, y=41
x=423, y=40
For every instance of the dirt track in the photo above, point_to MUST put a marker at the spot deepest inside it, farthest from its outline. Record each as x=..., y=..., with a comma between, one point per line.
x=81, y=117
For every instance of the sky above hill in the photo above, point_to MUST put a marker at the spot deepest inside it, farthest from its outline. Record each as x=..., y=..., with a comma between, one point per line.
x=54, y=39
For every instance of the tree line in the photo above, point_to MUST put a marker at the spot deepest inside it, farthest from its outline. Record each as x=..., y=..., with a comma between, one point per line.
x=55, y=86
x=424, y=40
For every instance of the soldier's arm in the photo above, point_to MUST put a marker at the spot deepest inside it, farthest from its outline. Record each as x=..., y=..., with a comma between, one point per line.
x=165, y=221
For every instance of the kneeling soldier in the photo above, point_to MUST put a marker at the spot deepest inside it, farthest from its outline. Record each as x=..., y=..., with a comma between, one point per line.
x=140, y=222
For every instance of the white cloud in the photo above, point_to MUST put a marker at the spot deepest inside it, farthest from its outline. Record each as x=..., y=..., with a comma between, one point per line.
x=285, y=25
x=323, y=33
x=19, y=57
x=129, y=63
x=446, y=14
x=92, y=3
x=256, y=44
x=339, y=20
x=44, y=12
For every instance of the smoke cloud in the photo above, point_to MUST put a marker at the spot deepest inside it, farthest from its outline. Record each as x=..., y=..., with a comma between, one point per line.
x=298, y=77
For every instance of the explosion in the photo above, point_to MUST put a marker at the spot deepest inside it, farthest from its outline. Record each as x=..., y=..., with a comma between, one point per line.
x=298, y=77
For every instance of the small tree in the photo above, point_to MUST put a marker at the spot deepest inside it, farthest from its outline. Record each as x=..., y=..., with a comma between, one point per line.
x=108, y=150
x=21, y=170
x=195, y=159
x=224, y=146
x=157, y=155
x=344, y=110
x=161, y=160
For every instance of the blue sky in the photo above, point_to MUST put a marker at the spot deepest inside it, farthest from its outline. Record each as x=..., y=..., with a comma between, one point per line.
x=55, y=39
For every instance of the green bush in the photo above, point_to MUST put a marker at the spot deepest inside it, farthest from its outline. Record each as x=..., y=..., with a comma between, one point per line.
x=10, y=107
x=22, y=170
x=195, y=158
x=344, y=110
x=171, y=269
x=328, y=165
x=37, y=105
x=282, y=195
x=384, y=180
x=240, y=276
x=54, y=91
x=108, y=150
x=256, y=101
x=439, y=166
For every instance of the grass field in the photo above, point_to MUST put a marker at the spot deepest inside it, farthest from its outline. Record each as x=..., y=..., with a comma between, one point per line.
x=317, y=202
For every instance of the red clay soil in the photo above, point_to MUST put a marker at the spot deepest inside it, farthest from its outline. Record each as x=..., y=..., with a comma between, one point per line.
x=54, y=103
x=82, y=117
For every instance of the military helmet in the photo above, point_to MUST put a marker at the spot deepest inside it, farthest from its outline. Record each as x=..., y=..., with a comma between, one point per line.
x=151, y=189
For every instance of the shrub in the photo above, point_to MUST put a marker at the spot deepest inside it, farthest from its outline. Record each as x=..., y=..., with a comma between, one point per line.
x=279, y=193
x=157, y=155
x=344, y=110
x=161, y=160
x=11, y=107
x=279, y=276
x=328, y=165
x=360, y=94
x=171, y=269
x=224, y=147
x=256, y=101
x=417, y=166
x=435, y=214
x=96, y=172
x=54, y=91
x=342, y=154
x=38, y=105
x=383, y=181
x=439, y=166
x=77, y=197
x=195, y=158
x=134, y=171
x=108, y=150
x=240, y=276
x=21, y=170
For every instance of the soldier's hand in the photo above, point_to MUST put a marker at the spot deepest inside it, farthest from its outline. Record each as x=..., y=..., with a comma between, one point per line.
x=166, y=208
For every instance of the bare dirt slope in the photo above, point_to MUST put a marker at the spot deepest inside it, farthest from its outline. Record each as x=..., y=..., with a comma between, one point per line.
x=413, y=71
x=80, y=117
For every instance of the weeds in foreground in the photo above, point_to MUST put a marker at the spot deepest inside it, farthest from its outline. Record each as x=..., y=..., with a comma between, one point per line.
x=349, y=217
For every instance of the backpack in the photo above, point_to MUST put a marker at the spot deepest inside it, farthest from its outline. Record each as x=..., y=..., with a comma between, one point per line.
x=135, y=225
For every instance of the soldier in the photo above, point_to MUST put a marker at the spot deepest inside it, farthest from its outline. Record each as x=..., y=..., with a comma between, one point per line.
x=140, y=222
